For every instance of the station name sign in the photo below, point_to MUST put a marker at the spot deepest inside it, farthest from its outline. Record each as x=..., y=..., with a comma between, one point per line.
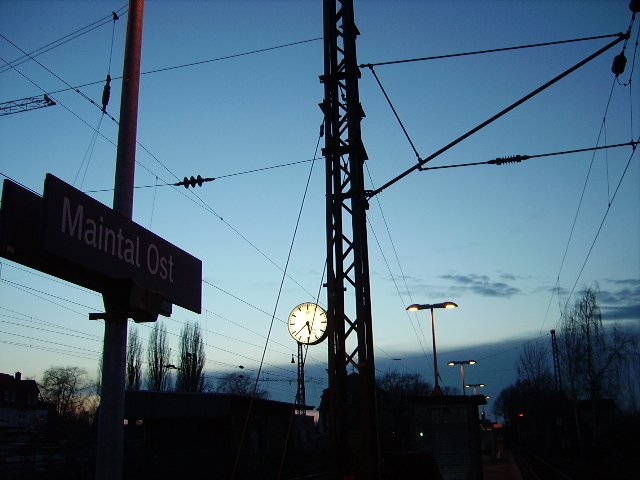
x=85, y=232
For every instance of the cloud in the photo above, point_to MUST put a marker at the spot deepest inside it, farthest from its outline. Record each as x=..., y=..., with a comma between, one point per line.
x=621, y=301
x=623, y=312
x=482, y=285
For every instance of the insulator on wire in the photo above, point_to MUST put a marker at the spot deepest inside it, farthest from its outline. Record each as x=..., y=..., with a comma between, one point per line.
x=619, y=62
x=507, y=160
x=106, y=93
x=115, y=16
x=193, y=181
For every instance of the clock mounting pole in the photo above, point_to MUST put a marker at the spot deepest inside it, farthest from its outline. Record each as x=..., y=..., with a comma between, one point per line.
x=300, y=394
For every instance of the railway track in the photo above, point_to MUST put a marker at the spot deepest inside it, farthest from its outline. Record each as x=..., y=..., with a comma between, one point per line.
x=533, y=467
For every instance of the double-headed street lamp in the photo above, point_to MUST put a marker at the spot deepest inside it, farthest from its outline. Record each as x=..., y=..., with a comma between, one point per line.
x=415, y=307
x=462, y=363
x=475, y=386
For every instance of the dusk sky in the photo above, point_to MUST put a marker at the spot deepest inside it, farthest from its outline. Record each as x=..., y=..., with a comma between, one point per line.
x=230, y=90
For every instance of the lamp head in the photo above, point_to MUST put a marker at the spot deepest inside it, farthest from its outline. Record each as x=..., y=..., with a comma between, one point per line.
x=462, y=362
x=430, y=306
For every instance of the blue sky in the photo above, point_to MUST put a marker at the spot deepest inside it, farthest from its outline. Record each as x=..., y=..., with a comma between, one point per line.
x=491, y=238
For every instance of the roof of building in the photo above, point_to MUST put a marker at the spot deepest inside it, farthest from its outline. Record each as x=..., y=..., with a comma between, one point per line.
x=143, y=404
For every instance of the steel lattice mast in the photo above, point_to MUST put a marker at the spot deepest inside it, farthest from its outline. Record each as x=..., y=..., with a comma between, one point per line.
x=301, y=400
x=26, y=104
x=352, y=403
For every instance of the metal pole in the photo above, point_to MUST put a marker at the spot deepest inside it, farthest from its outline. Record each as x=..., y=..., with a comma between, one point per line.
x=462, y=377
x=435, y=355
x=109, y=452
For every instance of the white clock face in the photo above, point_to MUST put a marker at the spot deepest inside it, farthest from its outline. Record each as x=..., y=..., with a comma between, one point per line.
x=308, y=323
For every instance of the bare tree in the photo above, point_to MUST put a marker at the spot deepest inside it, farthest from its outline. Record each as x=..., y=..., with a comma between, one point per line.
x=192, y=358
x=533, y=365
x=594, y=360
x=158, y=353
x=404, y=384
x=63, y=388
x=98, y=384
x=134, y=360
x=239, y=384
x=592, y=357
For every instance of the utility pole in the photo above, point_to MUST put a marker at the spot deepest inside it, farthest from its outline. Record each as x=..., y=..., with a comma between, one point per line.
x=353, y=424
x=109, y=452
x=556, y=362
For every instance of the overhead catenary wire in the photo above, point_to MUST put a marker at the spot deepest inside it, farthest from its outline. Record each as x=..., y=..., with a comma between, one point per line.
x=208, y=345
x=556, y=289
x=493, y=50
x=283, y=278
x=422, y=162
x=219, y=177
x=192, y=64
x=57, y=76
x=199, y=200
x=406, y=134
x=429, y=168
x=401, y=273
x=597, y=234
x=64, y=39
x=521, y=158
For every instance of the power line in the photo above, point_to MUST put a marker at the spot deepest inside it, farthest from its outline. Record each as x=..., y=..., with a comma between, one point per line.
x=604, y=217
x=236, y=55
x=55, y=75
x=217, y=59
x=244, y=172
x=495, y=117
x=64, y=39
x=32, y=290
x=394, y=279
x=406, y=134
x=494, y=50
x=521, y=158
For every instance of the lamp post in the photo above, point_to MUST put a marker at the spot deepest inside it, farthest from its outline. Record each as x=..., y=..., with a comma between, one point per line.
x=415, y=307
x=462, y=363
x=486, y=397
x=475, y=386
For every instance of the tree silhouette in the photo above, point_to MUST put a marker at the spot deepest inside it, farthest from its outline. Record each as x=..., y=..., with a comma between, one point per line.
x=592, y=356
x=594, y=359
x=158, y=353
x=192, y=358
x=395, y=383
x=62, y=388
x=533, y=366
x=134, y=360
x=239, y=384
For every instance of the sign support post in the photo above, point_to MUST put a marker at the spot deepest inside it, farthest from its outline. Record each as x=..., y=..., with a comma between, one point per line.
x=109, y=452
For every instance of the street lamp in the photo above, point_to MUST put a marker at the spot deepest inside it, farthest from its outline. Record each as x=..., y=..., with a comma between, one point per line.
x=414, y=308
x=474, y=386
x=486, y=397
x=462, y=363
